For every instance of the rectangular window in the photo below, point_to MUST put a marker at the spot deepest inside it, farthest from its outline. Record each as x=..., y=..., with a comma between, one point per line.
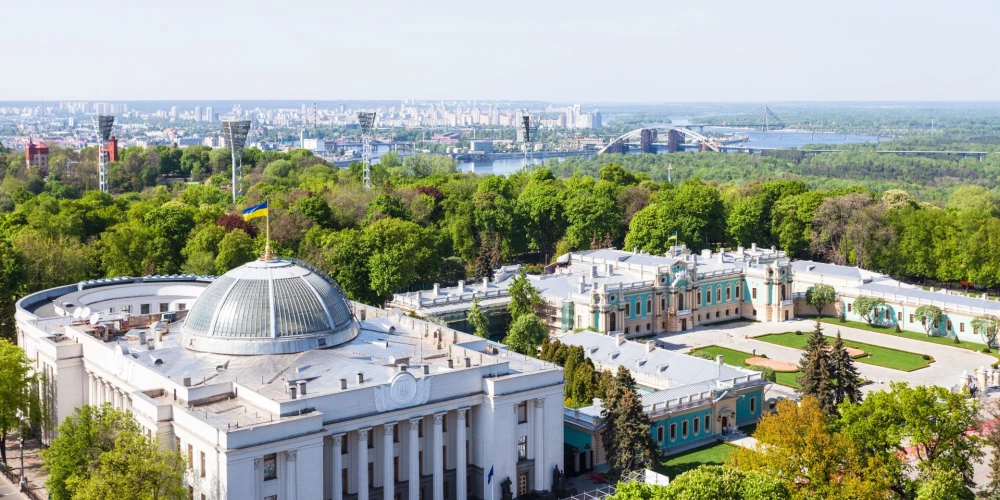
x=177, y=443
x=718, y=295
x=753, y=405
x=961, y=327
x=270, y=467
x=728, y=291
x=649, y=306
x=143, y=308
x=697, y=424
x=949, y=325
x=673, y=432
x=181, y=306
x=522, y=412
x=684, y=428
x=343, y=480
x=727, y=312
x=899, y=316
x=522, y=448
x=753, y=293
x=444, y=457
x=111, y=310
x=663, y=304
x=699, y=297
x=127, y=309
x=848, y=307
x=738, y=291
x=395, y=433
x=343, y=445
x=203, y=464
x=420, y=461
x=659, y=434
x=467, y=452
x=371, y=472
x=708, y=422
x=911, y=318
x=626, y=330
x=628, y=310
x=716, y=314
x=191, y=492
x=164, y=307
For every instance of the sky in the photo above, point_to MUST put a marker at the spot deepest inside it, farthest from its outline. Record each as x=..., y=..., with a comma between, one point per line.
x=548, y=50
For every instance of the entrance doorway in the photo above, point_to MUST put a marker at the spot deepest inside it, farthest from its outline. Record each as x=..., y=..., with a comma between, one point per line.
x=684, y=324
x=725, y=423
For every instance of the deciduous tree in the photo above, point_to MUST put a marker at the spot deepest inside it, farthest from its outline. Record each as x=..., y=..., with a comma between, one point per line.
x=478, y=321
x=15, y=381
x=525, y=334
x=868, y=307
x=819, y=296
x=929, y=316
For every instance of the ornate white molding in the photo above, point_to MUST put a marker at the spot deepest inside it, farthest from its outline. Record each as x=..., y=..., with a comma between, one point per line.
x=415, y=423
x=438, y=418
x=387, y=430
x=363, y=434
x=403, y=391
x=256, y=464
x=539, y=403
x=461, y=413
x=290, y=455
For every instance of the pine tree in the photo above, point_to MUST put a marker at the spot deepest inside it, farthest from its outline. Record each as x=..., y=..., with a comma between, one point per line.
x=628, y=443
x=816, y=378
x=845, y=375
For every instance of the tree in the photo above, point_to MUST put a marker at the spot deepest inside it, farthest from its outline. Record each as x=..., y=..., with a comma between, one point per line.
x=524, y=297
x=12, y=278
x=628, y=443
x=75, y=453
x=15, y=382
x=867, y=307
x=817, y=376
x=819, y=296
x=135, y=468
x=235, y=249
x=708, y=482
x=478, y=321
x=991, y=436
x=940, y=483
x=399, y=253
x=525, y=334
x=987, y=326
x=798, y=447
x=929, y=316
x=845, y=376
x=541, y=211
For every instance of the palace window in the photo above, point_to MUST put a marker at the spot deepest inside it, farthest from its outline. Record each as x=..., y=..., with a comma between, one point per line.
x=181, y=306
x=522, y=448
x=522, y=412
x=270, y=467
x=961, y=327
x=164, y=307
x=659, y=434
x=649, y=306
x=949, y=325
x=647, y=327
x=848, y=307
x=718, y=295
x=697, y=424
x=727, y=312
x=753, y=405
x=684, y=429
x=626, y=330
x=673, y=431
x=738, y=292
x=699, y=297
x=753, y=293
x=728, y=291
x=628, y=310
x=899, y=316
x=708, y=422
x=911, y=318
x=716, y=314
x=663, y=304
x=203, y=464
x=143, y=308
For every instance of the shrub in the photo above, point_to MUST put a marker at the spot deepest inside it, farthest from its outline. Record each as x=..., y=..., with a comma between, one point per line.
x=798, y=332
x=926, y=357
x=956, y=339
x=898, y=330
x=762, y=355
x=985, y=350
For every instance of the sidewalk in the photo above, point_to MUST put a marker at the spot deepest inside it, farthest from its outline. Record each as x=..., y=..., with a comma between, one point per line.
x=32, y=468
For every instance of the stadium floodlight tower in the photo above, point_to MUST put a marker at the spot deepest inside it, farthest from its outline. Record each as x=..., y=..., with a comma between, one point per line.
x=526, y=131
x=104, y=124
x=235, y=133
x=366, y=119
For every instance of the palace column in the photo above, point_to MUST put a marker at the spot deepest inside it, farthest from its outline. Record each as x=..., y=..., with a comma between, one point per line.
x=414, y=476
x=460, y=455
x=291, y=476
x=90, y=387
x=438, y=456
x=388, y=478
x=256, y=477
x=338, y=467
x=539, y=445
x=363, y=463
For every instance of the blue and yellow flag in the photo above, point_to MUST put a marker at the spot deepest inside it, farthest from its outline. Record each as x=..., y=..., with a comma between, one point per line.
x=672, y=236
x=255, y=211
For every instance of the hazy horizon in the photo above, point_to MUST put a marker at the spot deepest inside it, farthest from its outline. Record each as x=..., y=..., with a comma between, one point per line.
x=643, y=53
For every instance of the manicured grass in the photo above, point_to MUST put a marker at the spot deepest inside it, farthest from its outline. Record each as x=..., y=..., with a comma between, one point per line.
x=891, y=330
x=735, y=358
x=712, y=454
x=879, y=356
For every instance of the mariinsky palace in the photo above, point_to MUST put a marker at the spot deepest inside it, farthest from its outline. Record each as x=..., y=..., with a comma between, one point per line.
x=275, y=387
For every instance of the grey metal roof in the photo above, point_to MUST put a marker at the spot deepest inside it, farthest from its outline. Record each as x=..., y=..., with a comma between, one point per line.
x=268, y=307
x=808, y=266
x=927, y=296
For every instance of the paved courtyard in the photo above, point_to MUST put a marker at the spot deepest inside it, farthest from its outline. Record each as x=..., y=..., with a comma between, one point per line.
x=948, y=366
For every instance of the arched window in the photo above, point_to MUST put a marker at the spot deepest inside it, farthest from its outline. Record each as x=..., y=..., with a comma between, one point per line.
x=782, y=292
x=680, y=301
x=728, y=293
x=611, y=322
x=628, y=309
x=718, y=294
x=649, y=306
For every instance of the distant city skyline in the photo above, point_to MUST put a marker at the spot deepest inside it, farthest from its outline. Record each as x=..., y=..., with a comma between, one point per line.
x=555, y=51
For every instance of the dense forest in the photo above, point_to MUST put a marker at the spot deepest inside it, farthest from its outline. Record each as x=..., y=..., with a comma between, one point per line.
x=425, y=222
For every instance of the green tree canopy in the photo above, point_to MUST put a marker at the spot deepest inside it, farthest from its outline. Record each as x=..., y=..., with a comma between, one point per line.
x=15, y=381
x=525, y=334
x=819, y=295
x=628, y=443
x=524, y=297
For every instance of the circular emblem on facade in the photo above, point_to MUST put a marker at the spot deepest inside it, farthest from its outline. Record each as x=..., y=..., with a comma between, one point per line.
x=597, y=299
x=611, y=298
x=663, y=279
x=403, y=389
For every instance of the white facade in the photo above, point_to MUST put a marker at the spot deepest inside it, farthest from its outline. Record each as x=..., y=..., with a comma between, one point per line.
x=404, y=399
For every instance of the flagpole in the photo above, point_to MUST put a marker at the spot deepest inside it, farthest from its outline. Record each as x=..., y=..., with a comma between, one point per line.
x=267, y=232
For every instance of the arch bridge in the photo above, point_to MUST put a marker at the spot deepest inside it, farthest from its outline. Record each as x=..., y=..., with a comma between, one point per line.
x=647, y=136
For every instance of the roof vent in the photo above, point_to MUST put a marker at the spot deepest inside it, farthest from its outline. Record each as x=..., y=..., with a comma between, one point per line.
x=650, y=345
x=343, y=384
x=613, y=355
x=361, y=378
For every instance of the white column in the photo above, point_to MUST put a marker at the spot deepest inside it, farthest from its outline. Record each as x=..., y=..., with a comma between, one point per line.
x=90, y=387
x=460, y=454
x=256, y=477
x=539, y=445
x=338, y=467
x=99, y=391
x=291, y=478
x=388, y=479
x=414, y=476
x=119, y=400
x=363, y=463
x=438, y=456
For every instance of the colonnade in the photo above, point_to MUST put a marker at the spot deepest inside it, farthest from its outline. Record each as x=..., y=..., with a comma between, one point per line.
x=101, y=391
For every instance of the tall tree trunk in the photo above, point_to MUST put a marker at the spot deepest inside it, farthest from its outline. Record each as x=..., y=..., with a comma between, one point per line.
x=3, y=448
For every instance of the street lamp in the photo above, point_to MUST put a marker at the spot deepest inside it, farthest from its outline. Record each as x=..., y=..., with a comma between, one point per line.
x=23, y=483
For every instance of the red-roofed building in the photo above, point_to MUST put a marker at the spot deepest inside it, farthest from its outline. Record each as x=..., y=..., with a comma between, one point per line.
x=112, y=149
x=36, y=155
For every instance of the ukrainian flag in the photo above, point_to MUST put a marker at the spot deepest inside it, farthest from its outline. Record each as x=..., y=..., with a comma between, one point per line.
x=672, y=236
x=255, y=211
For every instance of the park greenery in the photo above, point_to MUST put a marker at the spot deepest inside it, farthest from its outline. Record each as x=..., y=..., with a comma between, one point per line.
x=828, y=372
x=103, y=453
x=628, y=443
x=16, y=398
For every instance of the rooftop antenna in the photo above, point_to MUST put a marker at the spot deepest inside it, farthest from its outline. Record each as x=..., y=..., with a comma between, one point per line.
x=526, y=135
x=235, y=133
x=104, y=124
x=366, y=119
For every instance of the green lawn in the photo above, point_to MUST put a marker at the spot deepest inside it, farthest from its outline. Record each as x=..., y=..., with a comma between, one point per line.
x=889, y=330
x=880, y=356
x=735, y=358
x=710, y=454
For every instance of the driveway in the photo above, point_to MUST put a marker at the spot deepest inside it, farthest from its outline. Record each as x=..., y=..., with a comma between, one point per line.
x=949, y=362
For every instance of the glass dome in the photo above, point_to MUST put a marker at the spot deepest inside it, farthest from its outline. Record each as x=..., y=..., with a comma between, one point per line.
x=268, y=307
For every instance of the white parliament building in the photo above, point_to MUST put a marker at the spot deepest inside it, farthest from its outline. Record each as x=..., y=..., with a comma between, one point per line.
x=273, y=386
